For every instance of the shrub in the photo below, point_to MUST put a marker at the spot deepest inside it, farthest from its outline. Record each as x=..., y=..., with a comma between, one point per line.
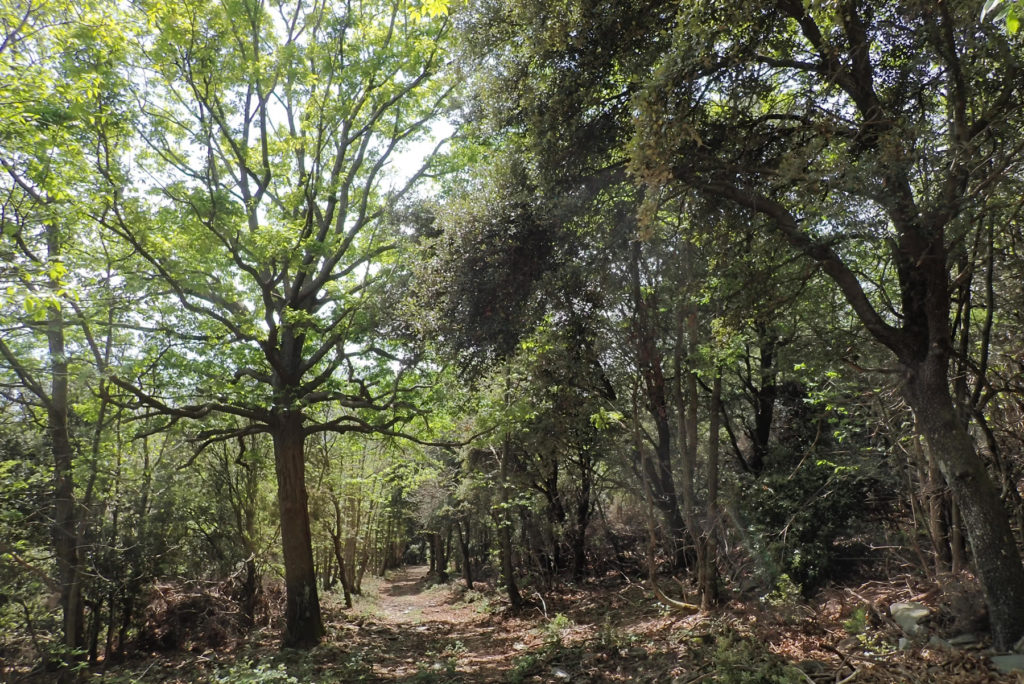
x=797, y=515
x=743, y=661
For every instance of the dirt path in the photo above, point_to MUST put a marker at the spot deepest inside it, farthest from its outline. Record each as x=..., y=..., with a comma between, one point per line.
x=421, y=633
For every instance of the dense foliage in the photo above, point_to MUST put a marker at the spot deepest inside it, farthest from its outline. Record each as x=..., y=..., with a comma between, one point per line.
x=726, y=293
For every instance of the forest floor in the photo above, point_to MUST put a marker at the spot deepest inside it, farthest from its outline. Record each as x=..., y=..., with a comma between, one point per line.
x=405, y=629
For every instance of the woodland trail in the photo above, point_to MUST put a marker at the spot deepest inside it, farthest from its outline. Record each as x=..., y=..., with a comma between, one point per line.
x=405, y=629
x=426, y=633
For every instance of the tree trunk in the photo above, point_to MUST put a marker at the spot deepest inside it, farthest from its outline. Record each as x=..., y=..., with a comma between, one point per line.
x=708, y=576
x=555, y=516
x=504, y=523
x=649, y=362
x=688, y=424
x=342, y=575
x=447, y=546
x=935, y=495
x=339, y=553
x=996, y=558
x=250, y=591
x=467, y=564
x=584, y=509
x=686, y=408
x=65, y=527
x=303, y=625
x=956, y=540
x=764, y=398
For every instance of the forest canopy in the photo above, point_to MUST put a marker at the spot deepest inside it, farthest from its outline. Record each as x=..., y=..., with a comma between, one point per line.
x=541, y=295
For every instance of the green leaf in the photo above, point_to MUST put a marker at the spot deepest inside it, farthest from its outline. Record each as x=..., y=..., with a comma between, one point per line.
x=990, y=6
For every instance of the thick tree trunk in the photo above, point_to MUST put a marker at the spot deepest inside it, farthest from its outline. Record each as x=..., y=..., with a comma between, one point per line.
x=65, y=533
x=996, y=558
x=303, y=625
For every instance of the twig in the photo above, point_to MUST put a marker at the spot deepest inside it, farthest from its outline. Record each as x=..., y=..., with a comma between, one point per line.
x=849, y=677
x=543, y=605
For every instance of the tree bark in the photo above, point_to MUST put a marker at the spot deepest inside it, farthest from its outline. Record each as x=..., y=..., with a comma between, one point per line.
x=764, y=398
x=708, y=578
x=65, y=525
x=342, y=576
x=649, y=362
x=584, y=509
x=339, y=553
x=463, y=531
x=996, y=558
x=686, y=408
x=303, y=625
x=504, y=523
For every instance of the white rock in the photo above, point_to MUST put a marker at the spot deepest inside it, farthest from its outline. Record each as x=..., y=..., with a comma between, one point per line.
x=909, y=615
x=560, y=674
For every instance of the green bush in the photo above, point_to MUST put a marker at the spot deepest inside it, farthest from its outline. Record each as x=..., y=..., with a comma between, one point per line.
x=797, y=514
x=249, y=673
x=743, y=661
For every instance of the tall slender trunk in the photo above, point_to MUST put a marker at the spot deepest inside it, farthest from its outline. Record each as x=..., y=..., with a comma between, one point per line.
x=339, y=553
x=584, y=509
x=463, y=530
x=765, y=395
x=339, y=557
x=956, y=540
x=504, y=524
x=688, y=425
x=65, y=526
x=708, y=578
x=649, y=362
x=555, y=519
x=303, y=625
